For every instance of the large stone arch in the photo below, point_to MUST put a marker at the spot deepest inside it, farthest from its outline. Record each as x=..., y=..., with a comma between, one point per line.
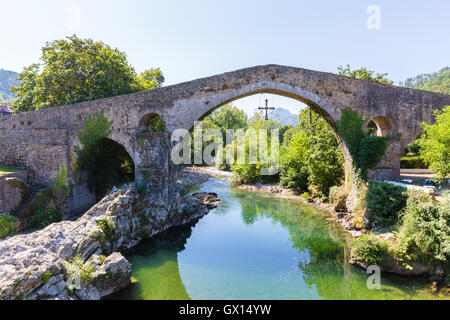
x=207, y=104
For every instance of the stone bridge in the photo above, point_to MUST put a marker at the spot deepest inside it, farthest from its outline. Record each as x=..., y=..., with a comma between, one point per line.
x=42, y=141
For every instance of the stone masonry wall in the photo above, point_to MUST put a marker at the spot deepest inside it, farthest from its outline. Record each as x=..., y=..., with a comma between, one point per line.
x=13, y=190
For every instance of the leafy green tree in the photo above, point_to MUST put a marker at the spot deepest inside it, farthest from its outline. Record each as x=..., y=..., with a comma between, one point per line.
x=74, y=70
x=311, y=155
x=434, y=144
x=226, y=117
x=151, y=79
x=364, y=74
x=251, y=172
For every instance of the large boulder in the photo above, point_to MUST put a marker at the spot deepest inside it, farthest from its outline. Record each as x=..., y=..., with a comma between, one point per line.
x=43, y=264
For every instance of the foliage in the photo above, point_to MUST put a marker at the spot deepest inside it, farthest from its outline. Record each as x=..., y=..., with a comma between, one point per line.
x=74, y=70
x=366, y=151
x=413, y=148
x=248, y=173
x=333, y=191
x=435, y=144
x=370, y=249
x=95, y=128
x=156, y=124
x=412, y=163
x=151, y=79
x=424, y=234
x=60, y=188
x=46, y=277
x=43, y=211
x=7, y=226
x=436, y=82
x=108, y=228
x=77, y=267
x=364, y=74
x=385, y=202
x=311, y=155
x=226, y=117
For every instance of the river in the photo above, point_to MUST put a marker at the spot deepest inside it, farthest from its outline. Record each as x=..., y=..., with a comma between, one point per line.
x=256, y=246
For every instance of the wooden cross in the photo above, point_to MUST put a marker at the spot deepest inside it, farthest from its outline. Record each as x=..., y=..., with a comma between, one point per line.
x=267, y=109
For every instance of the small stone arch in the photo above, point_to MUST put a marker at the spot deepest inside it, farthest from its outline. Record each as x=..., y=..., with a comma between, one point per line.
x=151, y=122
x=383, y=125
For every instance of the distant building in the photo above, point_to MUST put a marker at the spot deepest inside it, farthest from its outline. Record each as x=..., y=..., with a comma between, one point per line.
x=5, y=110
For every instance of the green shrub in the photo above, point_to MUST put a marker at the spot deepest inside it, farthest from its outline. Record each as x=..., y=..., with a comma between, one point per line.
x=333, y=191
x=77, y=267
x=412, y=163
x=60, y=189
x=385, y=201
x=42, y=211
x=370, y=249
x=108, y=228
x=7, y=226
x=424, y=234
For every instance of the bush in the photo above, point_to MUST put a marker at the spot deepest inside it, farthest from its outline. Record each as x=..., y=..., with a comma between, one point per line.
x=333, y=191
x=7, y=226
x=424, y=234
x=385, y=201
x=370, y=249
x=42, y=211
x=78, y=268
x=412, y=163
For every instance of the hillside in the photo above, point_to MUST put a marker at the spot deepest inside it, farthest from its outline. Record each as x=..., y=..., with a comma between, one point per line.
x=436, y=82
x=7, y=79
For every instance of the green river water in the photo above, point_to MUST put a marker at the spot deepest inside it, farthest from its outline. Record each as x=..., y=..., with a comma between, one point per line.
x=255, y=246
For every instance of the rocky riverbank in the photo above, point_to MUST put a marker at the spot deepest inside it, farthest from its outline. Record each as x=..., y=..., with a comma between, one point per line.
x=82, y=260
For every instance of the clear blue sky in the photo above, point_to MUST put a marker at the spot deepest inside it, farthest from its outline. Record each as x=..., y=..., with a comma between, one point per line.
x=193, y=39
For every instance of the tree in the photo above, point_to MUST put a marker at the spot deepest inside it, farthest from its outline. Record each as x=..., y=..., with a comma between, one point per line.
x=226, y=117
x=434, y=144
x=151, y=79
x=74, y=70
x=364, y=74
x=249, y=172
x=311, y=155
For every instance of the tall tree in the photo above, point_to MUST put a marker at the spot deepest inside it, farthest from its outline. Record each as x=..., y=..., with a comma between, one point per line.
x=74, y=70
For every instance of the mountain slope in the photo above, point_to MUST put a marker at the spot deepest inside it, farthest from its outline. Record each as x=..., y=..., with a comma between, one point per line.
x=284, y=117
x=436, y=82
x=7, y=79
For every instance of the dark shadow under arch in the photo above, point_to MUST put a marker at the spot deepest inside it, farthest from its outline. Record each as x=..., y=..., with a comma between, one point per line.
x=108, y=165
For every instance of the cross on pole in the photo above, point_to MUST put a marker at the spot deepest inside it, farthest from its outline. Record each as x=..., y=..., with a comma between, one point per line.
x=266, y=109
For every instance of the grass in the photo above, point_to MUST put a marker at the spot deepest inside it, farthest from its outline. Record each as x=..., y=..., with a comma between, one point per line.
x=6, y=169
